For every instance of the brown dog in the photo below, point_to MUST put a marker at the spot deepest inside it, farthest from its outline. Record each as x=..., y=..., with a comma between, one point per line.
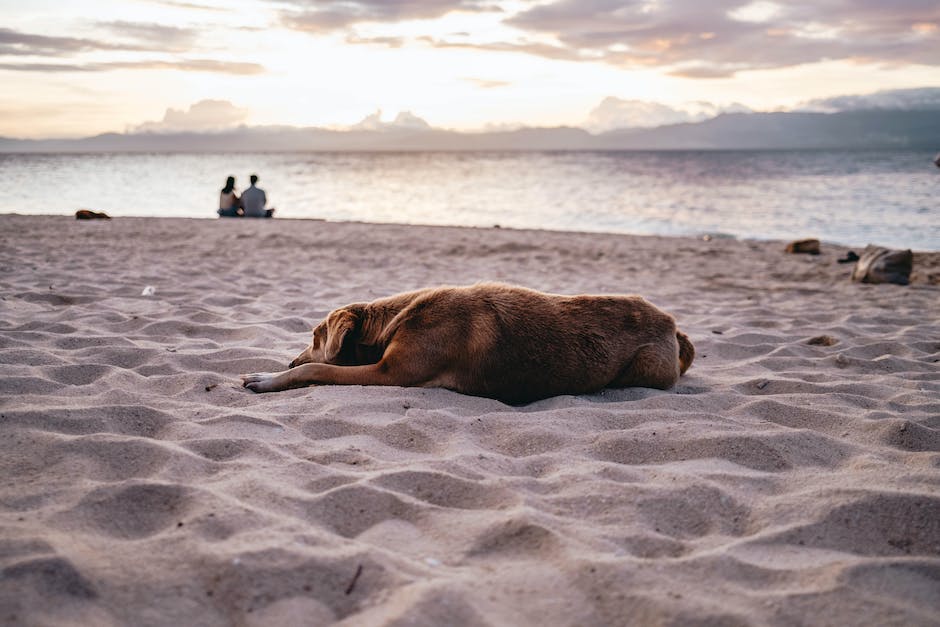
x=509, y=343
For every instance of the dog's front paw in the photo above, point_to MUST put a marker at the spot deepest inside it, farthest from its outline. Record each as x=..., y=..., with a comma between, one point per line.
x=260, y=381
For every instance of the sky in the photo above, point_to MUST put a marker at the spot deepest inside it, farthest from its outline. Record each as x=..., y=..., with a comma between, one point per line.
x=82, y=67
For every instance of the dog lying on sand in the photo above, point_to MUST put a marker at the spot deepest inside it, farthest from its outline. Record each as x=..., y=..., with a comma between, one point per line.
x=504, y=342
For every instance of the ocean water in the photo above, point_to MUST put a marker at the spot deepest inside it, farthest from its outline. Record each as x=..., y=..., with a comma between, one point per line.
x=853, y=198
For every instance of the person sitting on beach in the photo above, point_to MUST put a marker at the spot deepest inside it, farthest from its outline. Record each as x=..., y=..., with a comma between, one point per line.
x=253, y=201
x=229, y=202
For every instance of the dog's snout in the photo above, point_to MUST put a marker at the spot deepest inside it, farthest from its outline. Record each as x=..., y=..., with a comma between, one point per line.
x=292, y=363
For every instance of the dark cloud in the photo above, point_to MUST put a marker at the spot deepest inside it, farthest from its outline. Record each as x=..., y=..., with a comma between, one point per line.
x=726, y=36
x=329, y=15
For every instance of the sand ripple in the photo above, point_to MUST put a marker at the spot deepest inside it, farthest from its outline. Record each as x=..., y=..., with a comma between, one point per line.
x=792, y=477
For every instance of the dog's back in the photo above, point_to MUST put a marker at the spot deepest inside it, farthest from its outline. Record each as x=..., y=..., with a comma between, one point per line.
x=520, y=345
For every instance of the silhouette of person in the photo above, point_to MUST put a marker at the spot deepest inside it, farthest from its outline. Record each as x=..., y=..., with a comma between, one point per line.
x=254, y=200
x=229, y=203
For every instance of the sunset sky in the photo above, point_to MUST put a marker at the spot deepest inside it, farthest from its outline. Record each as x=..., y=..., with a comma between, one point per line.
x=90, y=66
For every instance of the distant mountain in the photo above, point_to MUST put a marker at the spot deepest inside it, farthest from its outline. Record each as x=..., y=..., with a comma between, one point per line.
x=845, y=130
x=793, y=130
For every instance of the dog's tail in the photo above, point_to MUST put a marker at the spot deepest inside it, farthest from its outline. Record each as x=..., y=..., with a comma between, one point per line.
x=686, y=351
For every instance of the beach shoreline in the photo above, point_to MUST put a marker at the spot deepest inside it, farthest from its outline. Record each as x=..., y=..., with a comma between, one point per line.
x=704, y=235
x=790, y=477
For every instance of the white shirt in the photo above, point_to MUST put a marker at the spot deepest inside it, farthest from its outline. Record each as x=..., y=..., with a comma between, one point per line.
x=253, y=201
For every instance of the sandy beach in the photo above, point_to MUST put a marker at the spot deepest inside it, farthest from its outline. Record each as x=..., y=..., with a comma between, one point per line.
x=792, y=477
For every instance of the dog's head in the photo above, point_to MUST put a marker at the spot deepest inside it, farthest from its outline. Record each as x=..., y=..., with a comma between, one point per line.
x=329, y=337
x=343, y=339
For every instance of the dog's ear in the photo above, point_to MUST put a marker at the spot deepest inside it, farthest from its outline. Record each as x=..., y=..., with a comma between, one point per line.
x=338, y=324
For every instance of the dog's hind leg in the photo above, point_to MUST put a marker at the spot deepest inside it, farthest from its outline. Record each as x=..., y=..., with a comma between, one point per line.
x=686, y=351
x=652, y=366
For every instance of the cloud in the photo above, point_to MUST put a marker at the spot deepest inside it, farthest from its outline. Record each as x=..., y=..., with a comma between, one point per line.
x=918, y=99
x=205, y=115
x=726, y=36
x=151, y=36
x=486, y=83
x=614, y=113
x=16, y=43
x=321, y=16
x=759, y=11
x=390, y=42
x=405, y=120
x=138, y=37
x=185, y=65
x=45, y=67
x=500, y=127
x=701, y=70
x=688, y=38
x=131, y=36
x=559, y=53
x=188, y=65
x=188, y=5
